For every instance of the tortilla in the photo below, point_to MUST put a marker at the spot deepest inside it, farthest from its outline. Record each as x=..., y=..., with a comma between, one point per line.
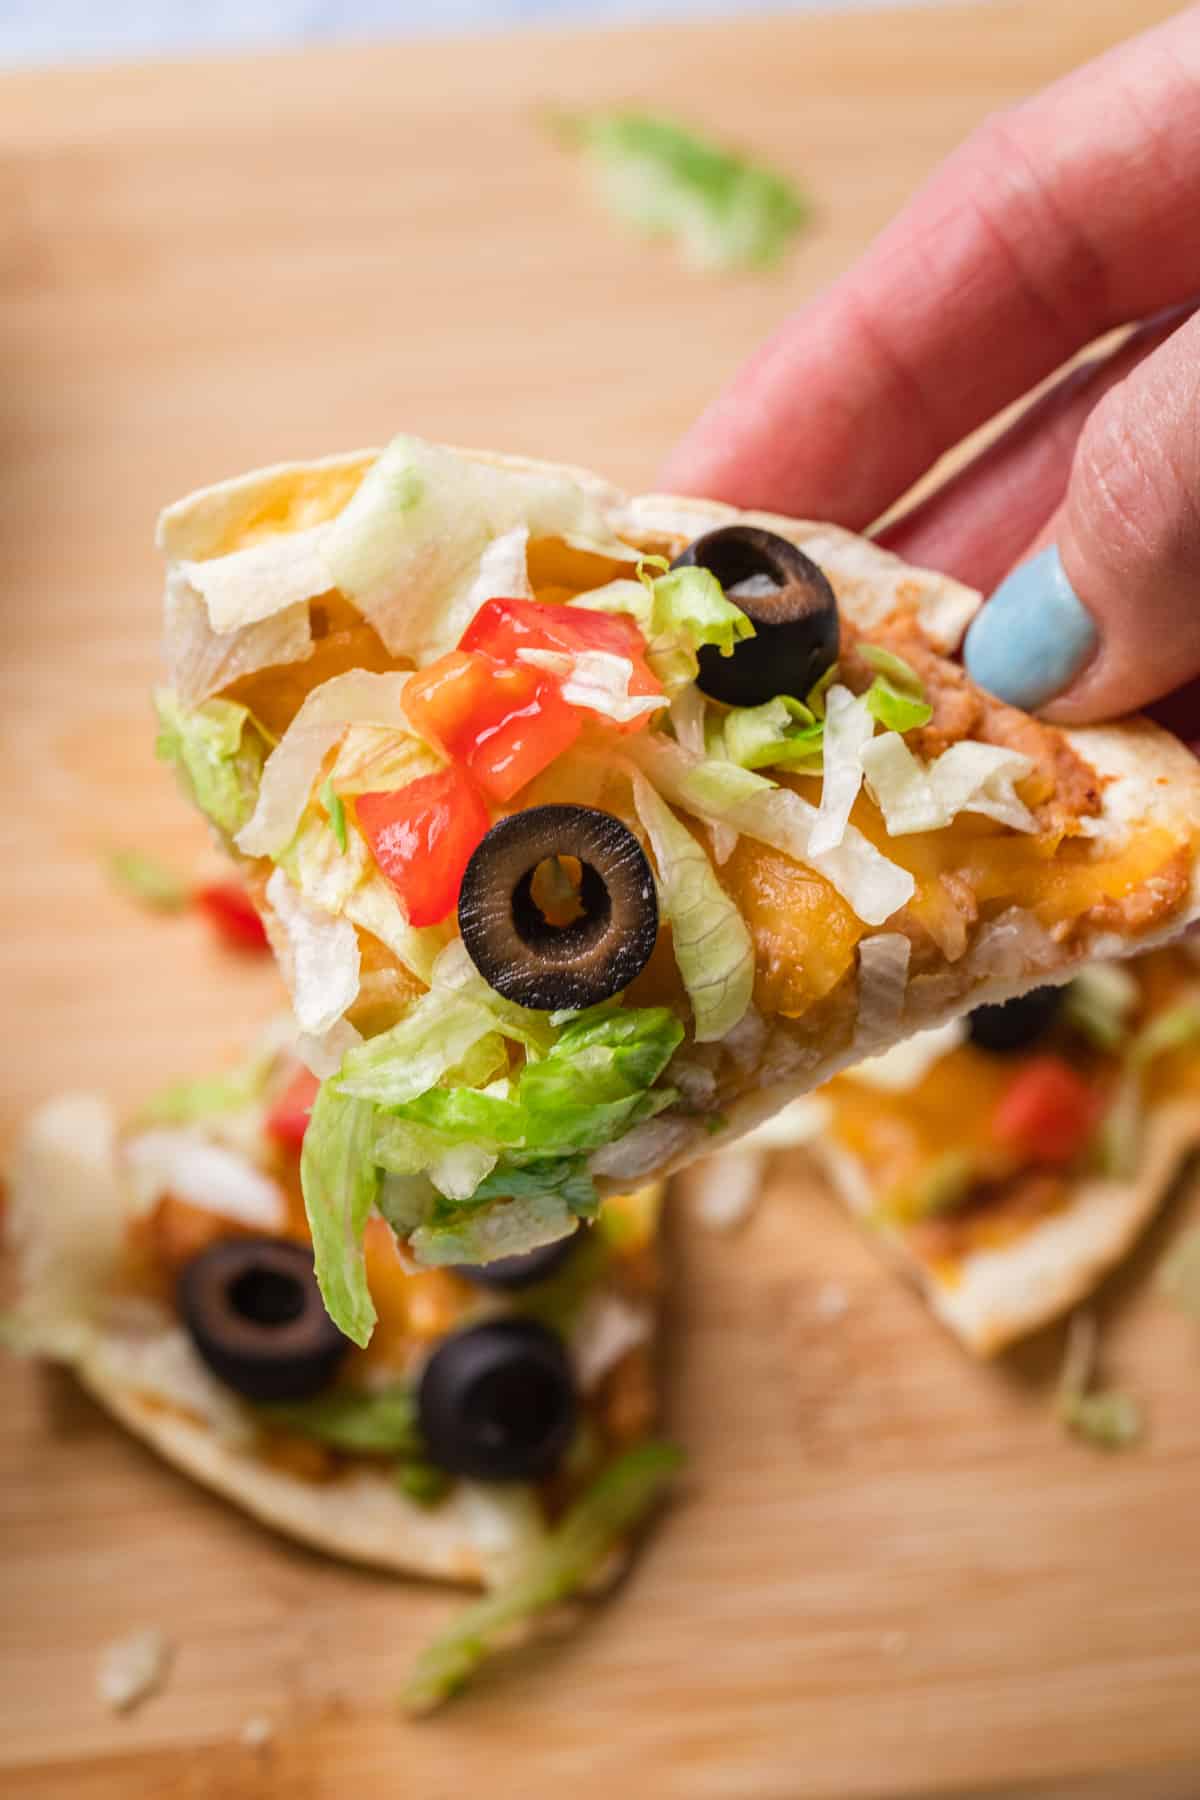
x=70, y=1200
x=998, y=1296
x=1148, y=785
x=909, y=1144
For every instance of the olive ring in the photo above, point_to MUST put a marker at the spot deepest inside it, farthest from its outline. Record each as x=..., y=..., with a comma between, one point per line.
x=515, y=947
x=787, y=599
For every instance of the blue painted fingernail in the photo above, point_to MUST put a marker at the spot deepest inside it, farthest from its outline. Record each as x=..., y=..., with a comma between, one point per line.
x=1034, y=635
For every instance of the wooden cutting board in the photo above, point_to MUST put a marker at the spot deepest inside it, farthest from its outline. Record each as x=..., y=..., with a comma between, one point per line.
x=890, y=1575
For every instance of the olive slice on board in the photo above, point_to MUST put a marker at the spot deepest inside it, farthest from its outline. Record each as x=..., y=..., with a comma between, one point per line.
x=1015, y=1024
x=522, y=953
x=254, y=1313
x=790, y=603
x=521, y=1271
x=497, y=1402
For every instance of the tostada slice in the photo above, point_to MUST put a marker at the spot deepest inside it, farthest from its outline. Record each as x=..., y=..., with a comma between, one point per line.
x=589, y=830
x=497, y=1432
x=1010, y=1160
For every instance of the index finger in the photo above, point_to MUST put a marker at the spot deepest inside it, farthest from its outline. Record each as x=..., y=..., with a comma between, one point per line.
x=1053, y=223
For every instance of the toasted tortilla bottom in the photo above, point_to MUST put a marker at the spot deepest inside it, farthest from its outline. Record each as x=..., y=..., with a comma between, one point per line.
x=1149, y=782
x=363, y=1517
x=65, y=1228
x=990, y=1297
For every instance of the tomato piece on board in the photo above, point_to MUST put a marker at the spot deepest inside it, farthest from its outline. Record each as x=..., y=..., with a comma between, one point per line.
x=1048, y=1112
x=231, y=913
x=505, y=722
x=287, y=1119
x=422, y=837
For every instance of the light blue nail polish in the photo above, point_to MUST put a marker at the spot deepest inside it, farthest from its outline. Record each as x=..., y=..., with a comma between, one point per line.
x=1033, y=636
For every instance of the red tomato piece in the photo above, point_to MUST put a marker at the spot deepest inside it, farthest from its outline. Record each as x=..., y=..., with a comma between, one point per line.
x=505, y=722
x=526, y=740
x=422, y=837
x=231, y=912
x=1048, y=1113
x=287, y=1120
x=503, y=627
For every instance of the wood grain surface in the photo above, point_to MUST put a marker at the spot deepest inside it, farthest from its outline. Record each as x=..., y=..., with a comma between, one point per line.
x=889, y=1574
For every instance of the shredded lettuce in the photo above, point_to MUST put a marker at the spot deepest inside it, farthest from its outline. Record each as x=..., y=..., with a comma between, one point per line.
x=941, y=1187
x=317, y=952
x=1119, y=1140
x=340, y=1180
x=896, y=697
x=583, y=1093
x=377, y=758
x=429, y=536
x=722, y=793
x=1098, y=1003
x=780, y=733
x=219, y=750
x=1180, y=1277
x=618, y=1501
x=678, y=613
x=723, y=210
x=914, y=796
x=849, y=726
x=1176, y=1029
x=149, y=880
x=260, y=581
x=331, y=800
x=453, y=1236
x=209, y=1096
x=359, y=1420
x=359, y=697
x=1105, y=1418
x=712, y=945
x=465, y=1173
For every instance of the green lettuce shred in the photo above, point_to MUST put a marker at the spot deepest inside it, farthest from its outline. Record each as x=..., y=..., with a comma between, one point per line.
x=1098, y=1003
x=779, y=733
x=712, y=943
x=355, y=1420
x=1106, y=1418
x=723, y=210
x=896, y=697
x=620, y=1499
x=210, y=1096
x=1180, y=1277
x=472, y=1173
x=149, y=880
x=340, y=1179
x=331, y=800
x=218, y=750
x=1119, y=1140
x=678, y=613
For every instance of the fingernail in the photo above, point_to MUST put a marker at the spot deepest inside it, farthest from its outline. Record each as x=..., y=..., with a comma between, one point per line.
x=1034, y=635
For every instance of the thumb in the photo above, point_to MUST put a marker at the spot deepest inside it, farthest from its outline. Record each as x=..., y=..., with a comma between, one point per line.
x=1106, y=617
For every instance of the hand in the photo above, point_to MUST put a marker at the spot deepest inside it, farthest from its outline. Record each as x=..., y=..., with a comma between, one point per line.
x=1074, y=213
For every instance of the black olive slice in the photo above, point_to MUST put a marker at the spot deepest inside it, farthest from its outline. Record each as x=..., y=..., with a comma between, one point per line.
x=792, y=607
x=1015, y=1024
x=255, y=1315
x=497, y=1402
x=521, y=1271
x=512, y=943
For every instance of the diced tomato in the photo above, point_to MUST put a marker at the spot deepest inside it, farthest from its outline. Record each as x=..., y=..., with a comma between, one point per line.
x=503, y=627
x=287, y=1120
x=230, y=911
x=422, y=837
x=505, y=722
x=1047, y=1114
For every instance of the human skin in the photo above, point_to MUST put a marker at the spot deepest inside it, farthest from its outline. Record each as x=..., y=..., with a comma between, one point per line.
x=1056, y=222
